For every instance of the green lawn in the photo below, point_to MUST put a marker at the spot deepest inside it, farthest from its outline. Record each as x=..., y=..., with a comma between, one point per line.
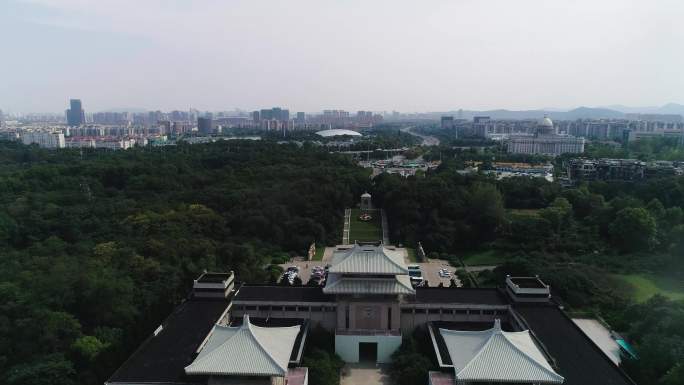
x=319, y=253
x=411, y=252
x=488, y=257
x=360, y=231
x=647, y=285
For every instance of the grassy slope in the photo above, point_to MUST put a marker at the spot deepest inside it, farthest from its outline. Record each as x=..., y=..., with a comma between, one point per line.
x=646, y=285
x=319, y=253
x=411, y=253
x=488, y=257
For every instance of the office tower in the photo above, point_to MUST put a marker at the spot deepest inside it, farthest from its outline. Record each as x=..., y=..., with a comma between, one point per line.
x=179, y=116
x=256, y=116
x=75, y=115
x=266, y=114
x=164, y=127
x=301, y=118
x=2, y=120
x=204, y=125
x=447, y=122
x=280, y=114
x=275, y=113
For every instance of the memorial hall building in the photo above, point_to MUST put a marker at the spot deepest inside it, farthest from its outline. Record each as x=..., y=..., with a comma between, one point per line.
x=230, y=332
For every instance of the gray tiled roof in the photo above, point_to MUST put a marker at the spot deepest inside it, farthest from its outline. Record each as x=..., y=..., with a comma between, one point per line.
x=363, y=259
x=399, y=284
x=247, y=350
x=498, y=356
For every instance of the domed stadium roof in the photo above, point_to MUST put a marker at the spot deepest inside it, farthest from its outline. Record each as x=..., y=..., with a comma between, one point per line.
x=546, y=122
x=337, y=132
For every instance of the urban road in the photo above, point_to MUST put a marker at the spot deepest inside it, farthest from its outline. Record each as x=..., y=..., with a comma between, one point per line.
x=427, y=140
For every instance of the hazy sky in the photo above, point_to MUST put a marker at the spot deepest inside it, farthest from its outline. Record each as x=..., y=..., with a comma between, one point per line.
x=420, y=55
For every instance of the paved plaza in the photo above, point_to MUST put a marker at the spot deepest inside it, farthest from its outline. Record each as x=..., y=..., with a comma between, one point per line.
x=429, y=269
x=365, y=374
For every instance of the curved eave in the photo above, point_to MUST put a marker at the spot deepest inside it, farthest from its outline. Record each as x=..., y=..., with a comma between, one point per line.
x=370, y=286
x=234, y=373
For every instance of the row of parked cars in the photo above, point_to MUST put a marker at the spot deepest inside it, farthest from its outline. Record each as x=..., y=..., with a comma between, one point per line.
x=318, y=274
x=291, y=273
x=416, y=275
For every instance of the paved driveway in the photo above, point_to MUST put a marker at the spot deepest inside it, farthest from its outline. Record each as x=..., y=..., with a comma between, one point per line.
x=365, y=374
x=431, y=269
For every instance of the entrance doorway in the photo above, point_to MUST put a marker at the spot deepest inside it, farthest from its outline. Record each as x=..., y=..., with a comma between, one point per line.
x=368, y=352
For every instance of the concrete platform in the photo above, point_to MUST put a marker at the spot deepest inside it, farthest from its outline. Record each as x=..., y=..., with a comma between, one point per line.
x=365, y=374
x=601, y=337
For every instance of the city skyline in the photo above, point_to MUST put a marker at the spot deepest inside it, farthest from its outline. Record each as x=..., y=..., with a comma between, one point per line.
x=403, y=56
x=583, y=111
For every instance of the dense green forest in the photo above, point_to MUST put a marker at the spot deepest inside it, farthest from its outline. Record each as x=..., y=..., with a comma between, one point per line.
x=577, y=239
x=666, y=148
x=97, y=247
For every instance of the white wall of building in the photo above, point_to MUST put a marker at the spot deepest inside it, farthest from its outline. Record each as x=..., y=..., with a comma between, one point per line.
x=45, y=139
x=347, y=347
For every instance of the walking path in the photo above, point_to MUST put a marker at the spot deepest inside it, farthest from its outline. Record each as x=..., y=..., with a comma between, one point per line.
x=365, y=373
x=345, y=231
x=385, y=228
x=478, y=268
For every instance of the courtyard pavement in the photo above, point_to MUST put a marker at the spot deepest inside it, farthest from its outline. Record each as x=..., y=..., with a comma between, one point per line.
x=365, y=373
x=430, y=270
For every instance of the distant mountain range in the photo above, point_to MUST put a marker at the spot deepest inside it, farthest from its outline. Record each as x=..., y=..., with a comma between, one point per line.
x=615, y=111
x=607, y=112
x=670, y=108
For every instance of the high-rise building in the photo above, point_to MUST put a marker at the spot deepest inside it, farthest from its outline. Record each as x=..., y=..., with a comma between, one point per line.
x=110, y=118
x=2, y=120
x=275, y=113
x=164, y=127
x=266, y=114
x=301, y=118
x=179, y=116
x=204, y=125
x=75, y=115
x=447, y=122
